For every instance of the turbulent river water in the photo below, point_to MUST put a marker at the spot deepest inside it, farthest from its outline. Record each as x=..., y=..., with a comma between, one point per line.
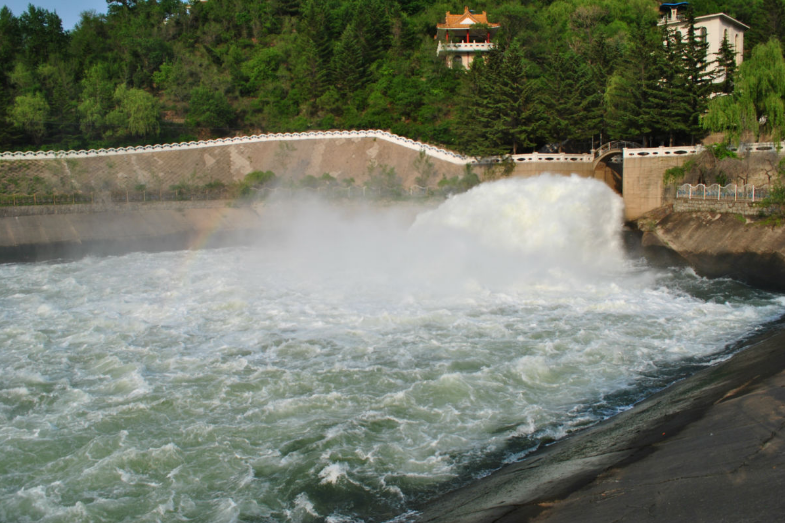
x=347, y=367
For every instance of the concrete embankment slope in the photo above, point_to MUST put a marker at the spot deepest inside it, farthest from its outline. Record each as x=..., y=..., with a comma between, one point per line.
x=707, y=449
x=718, y=245
x=124, y=229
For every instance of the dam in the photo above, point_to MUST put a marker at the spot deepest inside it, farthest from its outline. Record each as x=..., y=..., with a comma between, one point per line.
x=342, y=154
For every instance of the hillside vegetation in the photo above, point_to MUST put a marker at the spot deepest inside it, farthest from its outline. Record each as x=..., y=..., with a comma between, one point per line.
x=566, y=72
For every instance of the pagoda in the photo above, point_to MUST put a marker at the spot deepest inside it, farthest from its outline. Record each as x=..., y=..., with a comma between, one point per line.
x=462, y=36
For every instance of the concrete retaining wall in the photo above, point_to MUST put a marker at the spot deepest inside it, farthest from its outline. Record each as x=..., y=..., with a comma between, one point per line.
x=743, y=208
x=643, y=186
x=166, y=226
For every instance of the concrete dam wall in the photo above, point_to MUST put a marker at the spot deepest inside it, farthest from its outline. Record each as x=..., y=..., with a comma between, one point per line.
x=344, y=155
x=40, y=233
x=159, y=168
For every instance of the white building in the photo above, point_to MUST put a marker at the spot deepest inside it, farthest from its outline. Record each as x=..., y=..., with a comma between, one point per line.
x=712, y=27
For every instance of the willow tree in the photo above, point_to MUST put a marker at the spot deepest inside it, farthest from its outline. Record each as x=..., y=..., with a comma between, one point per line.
x=757, y=103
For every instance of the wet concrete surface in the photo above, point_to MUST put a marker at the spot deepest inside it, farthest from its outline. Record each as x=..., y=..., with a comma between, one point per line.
x=708, y=448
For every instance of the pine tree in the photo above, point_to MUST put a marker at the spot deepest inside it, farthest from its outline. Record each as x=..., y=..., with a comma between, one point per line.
x=698, y=79
x=500, y=114
x=670, y=102
x=726, y=66
x=768, y=22
x=316, y=26
x=600, y=58
x=373, y=23
x=349, y=67
x=561, y=96
x=631, y=109
x=472, y=113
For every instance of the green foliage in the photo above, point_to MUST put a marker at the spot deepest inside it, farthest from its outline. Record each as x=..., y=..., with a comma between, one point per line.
x=424, y=168
x=776, y=195
x=720, y=151
x=383, y=181
x=209, y=109
x=215, y=185
x=675, y=175
x=756, y=104
x=726, y=63
x=499, y=111
x=256, y=180
x=154, y=70
x=457, y=185
x=30, y=113
x=136, y=113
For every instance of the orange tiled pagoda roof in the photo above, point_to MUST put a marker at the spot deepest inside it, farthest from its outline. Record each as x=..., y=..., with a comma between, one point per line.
x=455, y=21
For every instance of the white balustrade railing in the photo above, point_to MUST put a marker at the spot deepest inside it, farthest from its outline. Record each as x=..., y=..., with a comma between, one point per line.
x=662, y=151
x=761, y=147
x=464, y=46
x=436, y=152
x=716, y=192
x=552, y=157
x=431, y=150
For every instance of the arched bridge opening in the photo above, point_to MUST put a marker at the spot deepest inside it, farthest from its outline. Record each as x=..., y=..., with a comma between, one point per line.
x=609, y=164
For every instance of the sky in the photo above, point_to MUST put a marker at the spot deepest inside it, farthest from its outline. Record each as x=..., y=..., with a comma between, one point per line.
x=68, y=11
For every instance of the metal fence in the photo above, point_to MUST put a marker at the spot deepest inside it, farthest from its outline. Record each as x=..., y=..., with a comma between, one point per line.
x=76, y=198
x=730, y=192
x=20, y=200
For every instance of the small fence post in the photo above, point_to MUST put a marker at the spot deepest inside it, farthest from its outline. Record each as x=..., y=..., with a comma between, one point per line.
x=753, y=193
x=35, y=200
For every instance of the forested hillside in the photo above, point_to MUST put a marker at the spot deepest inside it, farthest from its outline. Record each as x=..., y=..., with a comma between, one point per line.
x=156, y=71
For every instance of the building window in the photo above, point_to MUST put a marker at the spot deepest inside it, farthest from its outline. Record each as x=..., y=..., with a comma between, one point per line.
x=457, y=63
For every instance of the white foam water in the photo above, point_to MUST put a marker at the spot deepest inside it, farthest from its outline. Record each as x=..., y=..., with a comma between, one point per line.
x=344, y=369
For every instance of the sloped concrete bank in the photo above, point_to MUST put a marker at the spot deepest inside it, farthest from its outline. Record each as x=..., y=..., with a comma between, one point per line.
x=706, y=449
x=715, y=244
x=121, y=229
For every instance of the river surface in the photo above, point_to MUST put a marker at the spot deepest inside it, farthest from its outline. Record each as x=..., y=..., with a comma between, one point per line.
x=345, y=369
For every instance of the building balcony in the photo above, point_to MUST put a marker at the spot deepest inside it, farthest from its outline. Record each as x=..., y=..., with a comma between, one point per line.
x=463, y=47
x=668, y=19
